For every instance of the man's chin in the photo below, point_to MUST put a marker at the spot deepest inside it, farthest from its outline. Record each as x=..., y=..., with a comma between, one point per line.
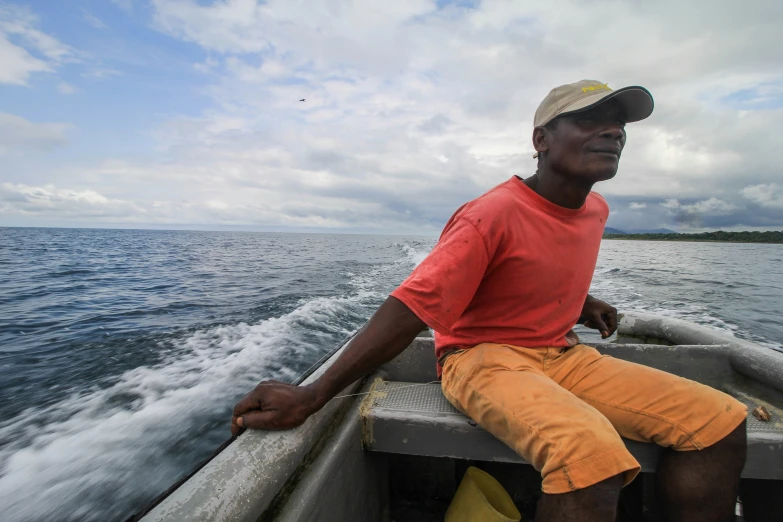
x=599, y=175
x=593, y=177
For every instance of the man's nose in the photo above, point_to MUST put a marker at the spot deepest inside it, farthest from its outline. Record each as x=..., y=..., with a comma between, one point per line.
x=615, y=131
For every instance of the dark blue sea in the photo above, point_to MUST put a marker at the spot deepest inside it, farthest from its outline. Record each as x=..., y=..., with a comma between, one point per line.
x=122, y=352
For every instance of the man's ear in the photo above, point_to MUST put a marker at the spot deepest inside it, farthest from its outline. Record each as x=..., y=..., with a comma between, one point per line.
x=540, y=139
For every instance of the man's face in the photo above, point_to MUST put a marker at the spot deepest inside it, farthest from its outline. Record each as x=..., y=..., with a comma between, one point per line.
x=588, y=144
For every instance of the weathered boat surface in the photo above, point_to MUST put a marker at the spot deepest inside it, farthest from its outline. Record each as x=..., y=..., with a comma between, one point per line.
x=399, y=451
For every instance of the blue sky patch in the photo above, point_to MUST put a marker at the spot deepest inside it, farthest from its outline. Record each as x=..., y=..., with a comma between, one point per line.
x=765, y=96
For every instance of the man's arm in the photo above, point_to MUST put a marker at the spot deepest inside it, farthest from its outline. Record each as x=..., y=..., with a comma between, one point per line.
x=274, y=405
x=599, y=315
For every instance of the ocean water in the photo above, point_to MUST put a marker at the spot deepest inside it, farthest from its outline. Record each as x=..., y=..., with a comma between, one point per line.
x=122, y=352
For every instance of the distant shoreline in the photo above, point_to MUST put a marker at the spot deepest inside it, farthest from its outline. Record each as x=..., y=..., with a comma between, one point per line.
x=720, y=236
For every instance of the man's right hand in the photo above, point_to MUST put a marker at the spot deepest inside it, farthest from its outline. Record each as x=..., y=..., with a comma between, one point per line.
x=274, y=405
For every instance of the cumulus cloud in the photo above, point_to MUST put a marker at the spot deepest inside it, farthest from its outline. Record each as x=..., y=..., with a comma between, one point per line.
x=21, y=199
x=18, y=135
x=448, y=93
x=765, y=195
x=635, y=205
x=25, y=50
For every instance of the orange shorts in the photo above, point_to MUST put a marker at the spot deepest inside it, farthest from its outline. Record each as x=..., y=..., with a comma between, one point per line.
x=564, y=409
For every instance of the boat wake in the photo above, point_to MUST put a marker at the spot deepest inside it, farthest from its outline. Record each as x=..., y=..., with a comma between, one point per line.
x=105, y=451
x=101, y=453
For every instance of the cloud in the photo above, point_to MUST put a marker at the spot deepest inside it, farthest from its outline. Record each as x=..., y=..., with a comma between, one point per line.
x=93, y=20
x=436, y=124
x=414, y=107
x=21, y=199
x=708, y=206
x=67, y=88
x=18, y=64
x=24, y=50
x=207, y=65
x=19, y=135
x=733, y=212
x=765, y=195
x=692, y=215
x=718, y=213
x=48, y=202
x=125, y=5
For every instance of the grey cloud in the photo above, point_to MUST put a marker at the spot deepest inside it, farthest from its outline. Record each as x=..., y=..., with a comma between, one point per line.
x=765, y=195
x=18, y=135
x=692, y=214
x=436, y=124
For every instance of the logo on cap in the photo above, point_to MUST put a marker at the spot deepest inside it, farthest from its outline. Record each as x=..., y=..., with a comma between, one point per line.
x=596, y=87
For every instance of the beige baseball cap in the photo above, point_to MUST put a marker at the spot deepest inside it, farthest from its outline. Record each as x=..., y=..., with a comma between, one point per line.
x=581, y=96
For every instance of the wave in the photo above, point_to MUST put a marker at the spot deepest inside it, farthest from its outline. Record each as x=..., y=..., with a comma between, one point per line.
x=613, y=286
x=415, y=254
x=101, y=453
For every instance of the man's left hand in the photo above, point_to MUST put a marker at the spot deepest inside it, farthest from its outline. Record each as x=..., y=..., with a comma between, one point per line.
x=599, y=316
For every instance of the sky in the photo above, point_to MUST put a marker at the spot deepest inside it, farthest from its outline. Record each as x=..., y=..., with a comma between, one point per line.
x=187, y=113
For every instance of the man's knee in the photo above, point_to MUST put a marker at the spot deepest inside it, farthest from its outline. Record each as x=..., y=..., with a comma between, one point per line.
x=733, y=446
x=589, y=458
x=738, y=437
x=595, y=502
x=606, y=488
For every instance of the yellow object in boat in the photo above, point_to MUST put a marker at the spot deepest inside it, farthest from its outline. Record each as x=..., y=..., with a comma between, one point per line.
x=481, y=498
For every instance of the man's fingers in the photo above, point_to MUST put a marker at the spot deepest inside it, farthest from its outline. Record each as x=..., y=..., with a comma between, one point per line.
x=252, y=401
x=259, y=420
x=611, y=321
x=599, y=324
x=236, y=427
x=246, y=404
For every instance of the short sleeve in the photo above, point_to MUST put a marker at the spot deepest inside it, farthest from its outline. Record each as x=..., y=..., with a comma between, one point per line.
x=440, y=289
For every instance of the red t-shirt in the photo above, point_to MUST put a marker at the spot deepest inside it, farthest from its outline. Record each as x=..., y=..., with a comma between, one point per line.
x=510, y=267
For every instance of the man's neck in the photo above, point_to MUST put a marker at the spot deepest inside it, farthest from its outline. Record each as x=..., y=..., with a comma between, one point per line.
x=558, y=189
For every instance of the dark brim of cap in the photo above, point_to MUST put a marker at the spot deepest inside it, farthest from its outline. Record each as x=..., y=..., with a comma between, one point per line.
x=636, y=101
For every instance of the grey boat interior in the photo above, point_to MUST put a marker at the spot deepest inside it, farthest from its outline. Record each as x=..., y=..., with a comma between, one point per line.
x=398, y=451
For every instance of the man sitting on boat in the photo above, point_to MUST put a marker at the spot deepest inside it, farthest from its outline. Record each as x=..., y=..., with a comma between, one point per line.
x=502, y=289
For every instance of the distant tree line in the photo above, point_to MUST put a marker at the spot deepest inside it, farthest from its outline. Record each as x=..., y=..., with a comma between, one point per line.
x=720, y=235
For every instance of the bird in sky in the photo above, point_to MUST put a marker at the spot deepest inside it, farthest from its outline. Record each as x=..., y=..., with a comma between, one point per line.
x=302, y=100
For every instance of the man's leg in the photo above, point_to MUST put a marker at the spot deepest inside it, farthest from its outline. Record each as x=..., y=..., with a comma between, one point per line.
x=597, y=503
x=701, y=486
x=702, y=428
x=582, y=459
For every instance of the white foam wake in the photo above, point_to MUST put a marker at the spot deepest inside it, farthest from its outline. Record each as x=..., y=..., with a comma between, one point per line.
x=416, y=253
x=71, y=460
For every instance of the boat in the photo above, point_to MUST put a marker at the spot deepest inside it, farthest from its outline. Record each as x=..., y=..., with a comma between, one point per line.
x=391, y=448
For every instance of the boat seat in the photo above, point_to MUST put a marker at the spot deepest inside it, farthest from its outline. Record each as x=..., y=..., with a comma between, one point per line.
x=416, y=419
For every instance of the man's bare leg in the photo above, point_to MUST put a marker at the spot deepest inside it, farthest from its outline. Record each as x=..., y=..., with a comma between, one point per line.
x=597, y=503
x=701, y=486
